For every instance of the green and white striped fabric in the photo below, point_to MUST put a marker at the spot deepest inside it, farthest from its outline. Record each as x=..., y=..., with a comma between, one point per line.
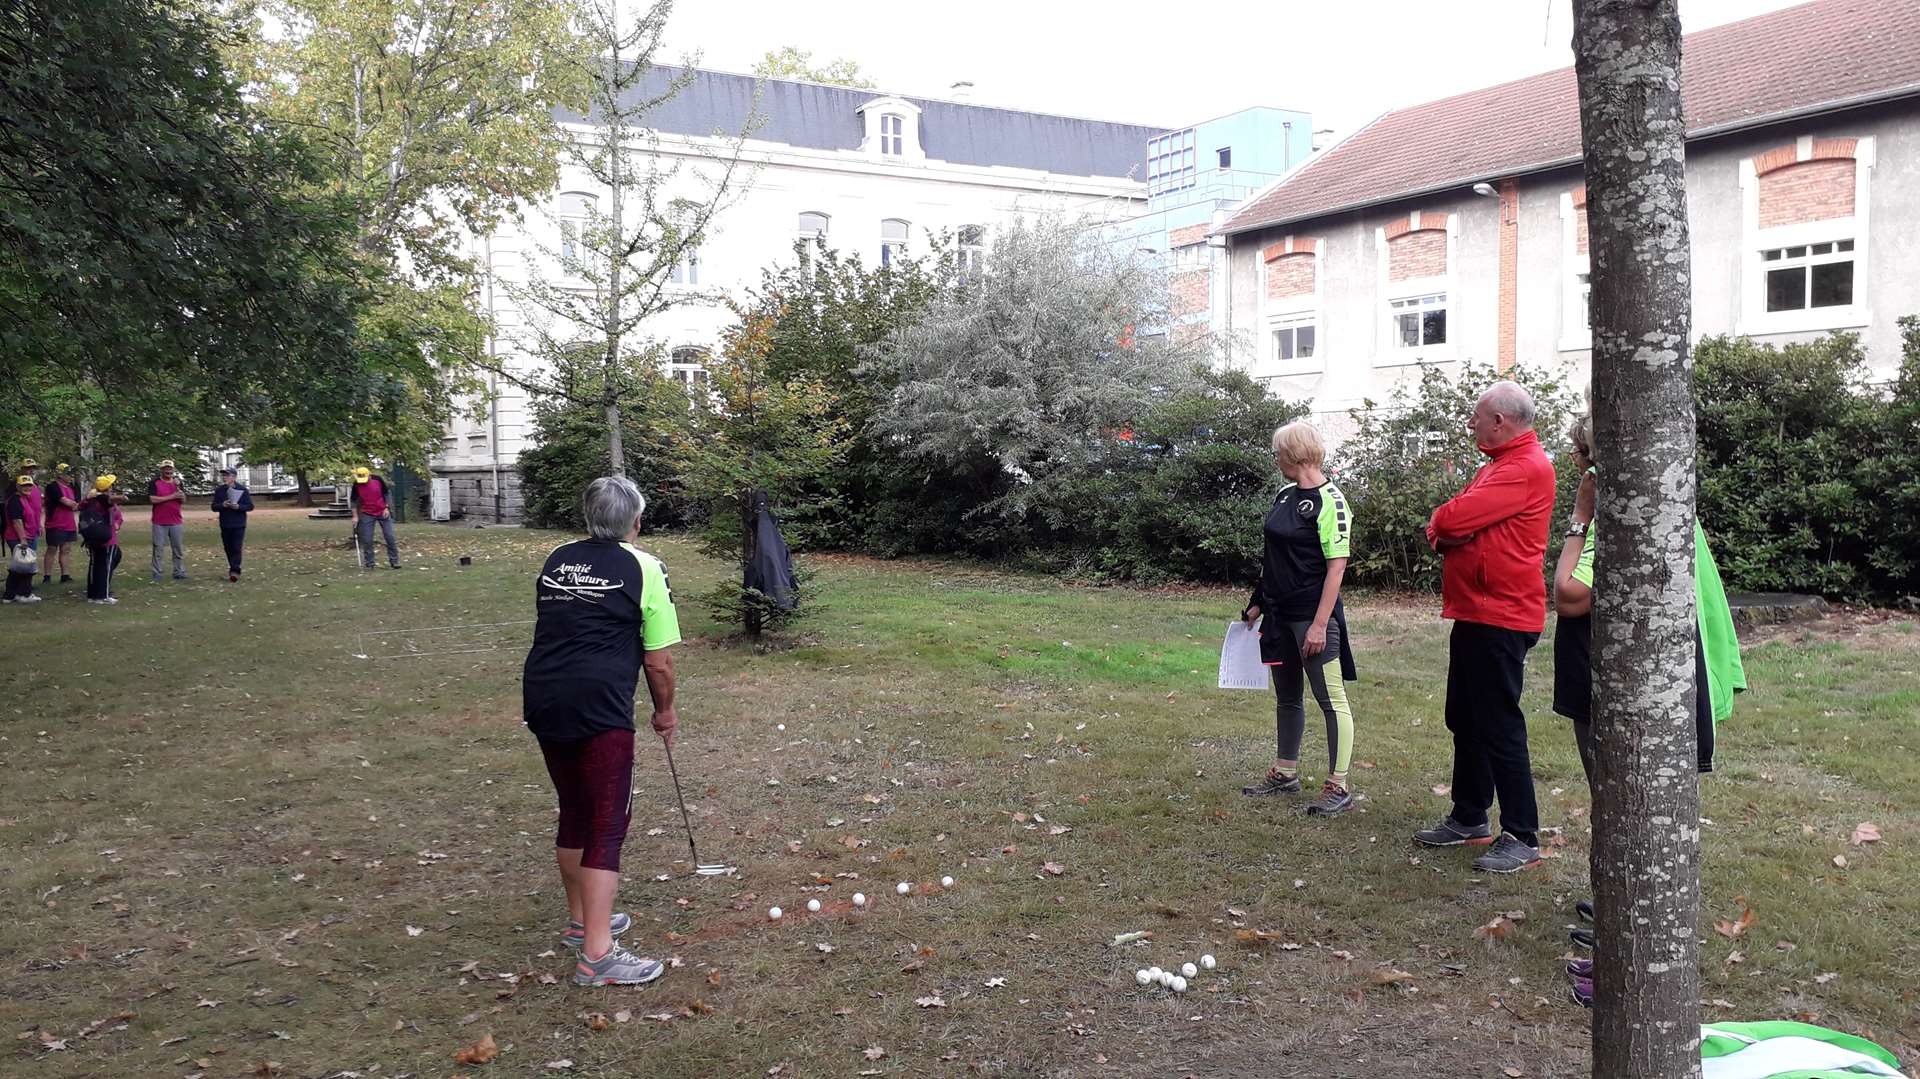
x=1783, y=1050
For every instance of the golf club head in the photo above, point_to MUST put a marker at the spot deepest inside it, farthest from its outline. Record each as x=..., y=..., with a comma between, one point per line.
x=712, y=870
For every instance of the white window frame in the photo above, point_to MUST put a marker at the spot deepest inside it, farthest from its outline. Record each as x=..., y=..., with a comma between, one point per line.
x=689, y=373
x=1576, y=304
x=574, y=211
x=971, y=247
x=894, y=247
x=896, y=143
x=1189, y=257
x=1387, y=350
x=1291, y=311
x=1840, y=250
x=1755, y=320
x=685, y=273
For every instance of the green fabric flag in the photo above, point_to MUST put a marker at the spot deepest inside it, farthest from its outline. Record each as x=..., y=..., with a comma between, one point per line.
x=1725, y=674
x=1787, y=1050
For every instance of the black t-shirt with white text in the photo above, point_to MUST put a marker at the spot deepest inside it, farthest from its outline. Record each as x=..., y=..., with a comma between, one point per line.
x=599, y=605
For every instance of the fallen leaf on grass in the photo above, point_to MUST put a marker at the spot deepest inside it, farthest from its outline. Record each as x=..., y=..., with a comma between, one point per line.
x=930, y=1002
x=1865, y=832
x=1840, y=861
x=874, y=1052
x=1736, y=957
x=1733, y=929
x=479, y=1052
x=622, y=1016
x=1053, y=868
x=559, y=1065
x=995, y=983
x=267, y=1067
x=1059, y=829
x=1493, y=930
x=1513, y=1073
x=1442, y=789
x=1345, y=957
x=414, y=931
x=206, y=1003
x=1019, y=818
x=598, y=1021
x=1391, y=977
x=1823, y=979
x=824, y=947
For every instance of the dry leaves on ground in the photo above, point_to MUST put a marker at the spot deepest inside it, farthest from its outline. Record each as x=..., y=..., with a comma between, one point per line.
x=1053, y=868
x=479, y=1052
x=1733, y=929
x=930, y=1002
x=1865, y=832
x=874, y=1052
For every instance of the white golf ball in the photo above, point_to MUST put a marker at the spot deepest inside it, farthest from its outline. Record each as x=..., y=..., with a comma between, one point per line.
x=903, y=887
x=1143, y=977
x=1166, y=980
x=779, y=726
x=1188, y=970
x=773, y=913
x=1154, y=973
x=1207, y=962
x=946, y=882
x=859, y=899
x=1179, y=984
x=813, y=905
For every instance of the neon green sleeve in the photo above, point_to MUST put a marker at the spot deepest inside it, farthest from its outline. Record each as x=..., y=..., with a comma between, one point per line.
x=1336, y=524
x=1583, y=570
x=659, y=622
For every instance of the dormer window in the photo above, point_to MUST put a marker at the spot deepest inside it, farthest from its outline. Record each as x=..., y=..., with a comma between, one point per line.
x=892, y=130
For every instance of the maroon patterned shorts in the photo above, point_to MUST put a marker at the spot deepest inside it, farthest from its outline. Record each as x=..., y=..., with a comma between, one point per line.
x=594, y=779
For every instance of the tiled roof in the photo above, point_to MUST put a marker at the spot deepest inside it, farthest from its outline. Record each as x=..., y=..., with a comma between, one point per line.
x=1745, y=74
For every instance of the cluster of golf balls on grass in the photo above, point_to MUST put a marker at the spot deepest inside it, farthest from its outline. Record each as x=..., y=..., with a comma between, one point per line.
x=774, y=914
x=1176, y=981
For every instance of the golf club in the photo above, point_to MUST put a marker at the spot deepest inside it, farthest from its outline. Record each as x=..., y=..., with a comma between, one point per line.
x=699, y=867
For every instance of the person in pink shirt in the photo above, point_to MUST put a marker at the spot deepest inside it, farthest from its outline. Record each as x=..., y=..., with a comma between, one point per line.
x=168, y=498
x=371, y=502
x=14, y=521
x=62, y=499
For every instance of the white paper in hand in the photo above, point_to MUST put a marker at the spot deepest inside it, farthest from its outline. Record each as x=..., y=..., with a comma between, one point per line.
x=1240, y=666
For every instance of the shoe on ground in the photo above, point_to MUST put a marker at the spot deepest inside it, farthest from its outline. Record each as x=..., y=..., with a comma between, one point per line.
x=575, y=936
x=1275, y=782
x=1582, y=937
x=1333, y=801
x=1582, y=992
x=395, y=565
x=1507, y=855
x=104, y=602
x=232, y=576
x=618, y=967
x=179, y=576
x=1584, y=909
x=65, y=579
x=25, y=599
x=47, y=578
x=1580, y=968
x=1451, y=833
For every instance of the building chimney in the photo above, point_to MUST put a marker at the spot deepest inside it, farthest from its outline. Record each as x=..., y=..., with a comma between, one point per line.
x=961, y=91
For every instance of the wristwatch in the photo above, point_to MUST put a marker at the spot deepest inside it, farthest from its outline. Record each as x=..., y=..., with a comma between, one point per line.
x=1578, y=529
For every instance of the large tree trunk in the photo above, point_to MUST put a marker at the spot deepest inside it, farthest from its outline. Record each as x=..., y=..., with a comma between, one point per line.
x=616, y=443
x=1646, y=797
x=305, y=497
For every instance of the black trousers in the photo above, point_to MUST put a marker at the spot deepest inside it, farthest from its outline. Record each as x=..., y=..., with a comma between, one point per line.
x=233, y=539
x=19, y=585
x=1486, y=666
x=100, y=564
x=1577, y=633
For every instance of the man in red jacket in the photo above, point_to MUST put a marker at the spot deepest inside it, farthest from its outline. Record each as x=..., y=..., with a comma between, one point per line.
x=1493, y=541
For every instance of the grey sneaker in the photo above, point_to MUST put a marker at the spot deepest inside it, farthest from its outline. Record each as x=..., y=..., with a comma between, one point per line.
x=1333, y=801
x=575, y=936
x=1508, y=855
x=618, y=967
x=1451, y=833
x=1275, y=782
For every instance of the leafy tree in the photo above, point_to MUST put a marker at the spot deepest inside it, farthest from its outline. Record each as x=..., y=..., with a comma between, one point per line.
x=756, y=436
x=1016, y=386
x=570, y=450
x=616, y=266
x=163, y=245
x=788, y=62
x=830, y=313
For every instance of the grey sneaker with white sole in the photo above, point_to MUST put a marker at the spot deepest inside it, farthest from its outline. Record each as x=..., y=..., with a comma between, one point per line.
x=1333, y=801
x=618, y=967
x=1451, y=833
x=1509, y=854
x=575, y=936
x=1274, y=782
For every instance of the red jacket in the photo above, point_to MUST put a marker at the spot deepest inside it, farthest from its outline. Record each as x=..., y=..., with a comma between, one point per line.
x=1498, y=576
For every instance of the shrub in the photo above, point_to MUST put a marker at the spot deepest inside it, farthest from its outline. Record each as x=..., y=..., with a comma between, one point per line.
x=1794, y=488
x=1413, y=452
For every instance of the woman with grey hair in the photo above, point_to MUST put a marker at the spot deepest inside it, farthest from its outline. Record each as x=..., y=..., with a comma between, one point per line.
x=603, y=613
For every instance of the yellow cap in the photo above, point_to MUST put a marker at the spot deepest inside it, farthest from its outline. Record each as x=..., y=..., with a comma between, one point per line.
x=29, y=462
x=360, y=475
x=166, y=464
x=24, y=481
x=63, y=467
x=104, y=483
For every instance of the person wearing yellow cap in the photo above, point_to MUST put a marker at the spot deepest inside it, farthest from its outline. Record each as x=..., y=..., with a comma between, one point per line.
x=369, y=501
x=99, y=521
x=62, y=499
x=168, y=497
x=14, y=522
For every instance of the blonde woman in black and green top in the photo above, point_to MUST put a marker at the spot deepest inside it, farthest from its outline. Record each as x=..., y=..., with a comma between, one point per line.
x=1302, y=624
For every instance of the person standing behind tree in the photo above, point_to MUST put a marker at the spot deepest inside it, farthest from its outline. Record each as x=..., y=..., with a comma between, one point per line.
x=232, y=501
x=169, y=500
x=369, y=500
x=1303, y=628
x=15, y=518
x=1493, y=539
x=62, y=499
x=100, y=520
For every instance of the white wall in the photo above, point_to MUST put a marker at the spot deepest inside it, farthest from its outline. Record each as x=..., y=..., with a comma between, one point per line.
x=758, y=229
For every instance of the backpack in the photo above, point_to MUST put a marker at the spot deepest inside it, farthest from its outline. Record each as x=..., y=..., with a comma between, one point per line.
x=96, y=528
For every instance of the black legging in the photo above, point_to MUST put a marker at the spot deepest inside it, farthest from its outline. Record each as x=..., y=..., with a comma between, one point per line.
x=100, y=565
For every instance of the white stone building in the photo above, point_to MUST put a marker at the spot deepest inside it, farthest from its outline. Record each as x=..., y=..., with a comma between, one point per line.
x=869, y=172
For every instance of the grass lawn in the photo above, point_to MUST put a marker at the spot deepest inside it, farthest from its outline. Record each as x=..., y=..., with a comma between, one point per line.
x=227, y=841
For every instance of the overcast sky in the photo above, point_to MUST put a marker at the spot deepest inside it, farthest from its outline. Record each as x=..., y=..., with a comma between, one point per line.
x=1167, y=64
